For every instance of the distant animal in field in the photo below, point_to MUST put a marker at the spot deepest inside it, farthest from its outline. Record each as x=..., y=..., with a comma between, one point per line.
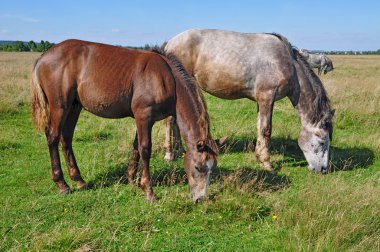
x=114, y=82
x=319, y=61
x=263, y=68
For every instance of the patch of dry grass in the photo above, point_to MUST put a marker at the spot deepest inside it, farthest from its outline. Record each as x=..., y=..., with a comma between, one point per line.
x=354, y=90
x=354, y=85
x=15, y=73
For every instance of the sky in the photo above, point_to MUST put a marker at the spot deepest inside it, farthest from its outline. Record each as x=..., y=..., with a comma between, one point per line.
x=313, y=25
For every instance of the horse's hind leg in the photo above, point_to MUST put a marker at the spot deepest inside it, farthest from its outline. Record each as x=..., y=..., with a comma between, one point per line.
x=168, y=147
x=264, y=128
x=144, y=132
x=173, y=145
x=53, y=132
x=177, y=143
x=67, y=149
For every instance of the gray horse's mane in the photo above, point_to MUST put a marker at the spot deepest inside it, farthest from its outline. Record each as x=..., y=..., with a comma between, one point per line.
x=321, y=104
x=321, y=108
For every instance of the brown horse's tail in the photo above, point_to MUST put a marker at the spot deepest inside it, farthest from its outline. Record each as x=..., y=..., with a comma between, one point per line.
x=40, y=108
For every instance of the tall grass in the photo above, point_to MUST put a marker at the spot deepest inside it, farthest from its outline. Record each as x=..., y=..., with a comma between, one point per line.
x=248, y=209
x=355, y=93
x=15, y=70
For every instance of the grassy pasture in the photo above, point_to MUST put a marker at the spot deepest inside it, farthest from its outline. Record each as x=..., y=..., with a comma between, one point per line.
x=248, y=209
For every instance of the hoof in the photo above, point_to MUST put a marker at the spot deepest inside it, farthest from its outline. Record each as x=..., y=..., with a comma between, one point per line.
x=81, y=185
x=65, y=191
x=268, y=167
x=131, y=181
x=168, y=157
x=152, y=198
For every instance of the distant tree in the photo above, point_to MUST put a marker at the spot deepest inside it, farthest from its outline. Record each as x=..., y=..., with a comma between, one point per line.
x=41, y=46
x=32, y=46
x=147, y=47
x=47, y=45
x=19, y=46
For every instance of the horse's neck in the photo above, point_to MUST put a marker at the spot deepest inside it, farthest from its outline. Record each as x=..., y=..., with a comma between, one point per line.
x=191, y=117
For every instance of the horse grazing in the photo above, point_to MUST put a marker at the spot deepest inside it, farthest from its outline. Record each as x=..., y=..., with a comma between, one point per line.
x=264, y=68
x=319, y=61
x=114, y=82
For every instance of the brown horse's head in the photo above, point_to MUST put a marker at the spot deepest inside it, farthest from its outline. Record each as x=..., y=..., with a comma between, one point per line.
x=199, y=163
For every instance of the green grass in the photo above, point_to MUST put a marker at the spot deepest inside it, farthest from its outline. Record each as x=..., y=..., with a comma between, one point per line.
x=248, y=209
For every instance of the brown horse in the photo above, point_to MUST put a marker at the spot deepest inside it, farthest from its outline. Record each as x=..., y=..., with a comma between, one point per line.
x=114, y=82
x=264, y=68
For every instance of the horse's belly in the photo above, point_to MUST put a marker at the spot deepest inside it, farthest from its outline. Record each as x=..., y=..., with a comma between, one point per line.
x=117, y=109
x=105, y=104
x=223, y=85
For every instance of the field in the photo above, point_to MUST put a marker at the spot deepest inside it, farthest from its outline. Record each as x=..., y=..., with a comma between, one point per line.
x=248, y=209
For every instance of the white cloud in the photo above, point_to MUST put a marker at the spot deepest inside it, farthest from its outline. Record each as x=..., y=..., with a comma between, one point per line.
x=3, y=31
x=115, y=29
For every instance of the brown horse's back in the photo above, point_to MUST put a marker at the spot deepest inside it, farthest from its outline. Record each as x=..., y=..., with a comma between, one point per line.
x=106, y=80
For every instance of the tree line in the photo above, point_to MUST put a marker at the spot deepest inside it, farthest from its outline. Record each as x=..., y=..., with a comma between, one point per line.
x=31, y=46
x=354, y=52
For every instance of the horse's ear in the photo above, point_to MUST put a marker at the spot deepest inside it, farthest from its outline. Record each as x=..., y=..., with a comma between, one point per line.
x=219, y=142
x=208, y=145
x=212, y=146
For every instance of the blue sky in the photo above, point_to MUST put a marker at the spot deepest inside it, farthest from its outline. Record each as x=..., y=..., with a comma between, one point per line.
x=323, y=24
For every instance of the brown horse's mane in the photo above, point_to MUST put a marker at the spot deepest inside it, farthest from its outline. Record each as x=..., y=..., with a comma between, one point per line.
x=192, y=89
x=321, y=108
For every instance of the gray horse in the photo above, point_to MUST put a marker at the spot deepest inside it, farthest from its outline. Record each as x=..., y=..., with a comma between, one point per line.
x=319, y=61
x=264, y=68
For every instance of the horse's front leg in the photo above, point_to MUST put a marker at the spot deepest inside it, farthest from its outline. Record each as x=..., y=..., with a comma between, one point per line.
x=264, y=128
x=144, y=132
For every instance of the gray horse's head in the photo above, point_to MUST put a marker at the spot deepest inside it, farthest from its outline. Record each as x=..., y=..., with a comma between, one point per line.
x=314, y=141
x=329, y=66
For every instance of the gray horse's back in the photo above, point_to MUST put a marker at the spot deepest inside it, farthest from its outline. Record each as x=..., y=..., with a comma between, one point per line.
x=234, y=65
